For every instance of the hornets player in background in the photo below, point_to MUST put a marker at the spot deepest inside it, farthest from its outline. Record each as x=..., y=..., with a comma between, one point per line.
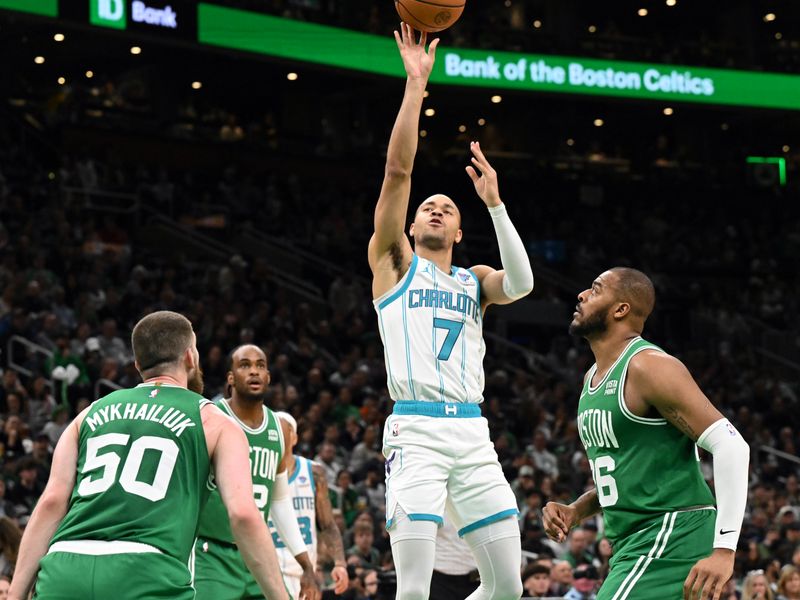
x=430, y=315
x=119, y=514
x=312, y=505
x=220, y=573
x=639, y=416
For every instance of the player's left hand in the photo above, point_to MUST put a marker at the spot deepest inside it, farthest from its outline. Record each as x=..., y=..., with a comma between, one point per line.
x=486, y=183
x=309, y=588
x=708, y=577
x=341, y=580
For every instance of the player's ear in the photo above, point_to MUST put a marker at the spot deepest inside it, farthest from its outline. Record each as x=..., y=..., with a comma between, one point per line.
x=229, y=378
x=188, y=359
x=622, y=310
x=411, y=230
x=459, y=235
x=269, y=376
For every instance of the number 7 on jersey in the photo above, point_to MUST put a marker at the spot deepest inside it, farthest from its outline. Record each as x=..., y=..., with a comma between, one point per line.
x=454, y=329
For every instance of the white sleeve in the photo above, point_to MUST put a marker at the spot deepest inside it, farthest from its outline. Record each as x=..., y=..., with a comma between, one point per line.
x=283, y=516
x=731, y=460
x=518, y=279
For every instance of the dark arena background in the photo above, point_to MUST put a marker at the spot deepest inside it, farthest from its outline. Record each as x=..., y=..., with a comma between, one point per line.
x=223, y=160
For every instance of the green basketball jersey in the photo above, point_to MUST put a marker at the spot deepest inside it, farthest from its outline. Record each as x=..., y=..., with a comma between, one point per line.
x=142, y=470
x=266, y=451
x=642, y=467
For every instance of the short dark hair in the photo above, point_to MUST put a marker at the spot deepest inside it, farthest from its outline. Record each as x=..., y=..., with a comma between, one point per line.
x=635, y=287
x=159, y=340
x=535, y=569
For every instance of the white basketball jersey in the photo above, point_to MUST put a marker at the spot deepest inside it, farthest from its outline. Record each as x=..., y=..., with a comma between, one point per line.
x=432, y=330
x=303, y=493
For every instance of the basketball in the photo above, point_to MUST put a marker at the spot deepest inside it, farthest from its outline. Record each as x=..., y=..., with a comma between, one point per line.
x=430, y=15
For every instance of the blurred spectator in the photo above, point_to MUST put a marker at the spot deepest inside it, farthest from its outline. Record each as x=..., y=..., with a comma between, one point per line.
x=578, y=548
x=756, y=587
x=536, y=581
x=25, y=491
x=10, y=536
x=362, y=551
x=584, y=584
x=58, y=423
x=560, y=578
x=789, y=583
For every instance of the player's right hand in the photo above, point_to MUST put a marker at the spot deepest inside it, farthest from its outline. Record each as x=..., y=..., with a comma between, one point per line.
x=558, y=520
x=341, y=580
x=417, y=61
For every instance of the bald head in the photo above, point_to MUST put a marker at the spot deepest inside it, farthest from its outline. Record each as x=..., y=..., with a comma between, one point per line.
x=440, y=201
x=635, y=288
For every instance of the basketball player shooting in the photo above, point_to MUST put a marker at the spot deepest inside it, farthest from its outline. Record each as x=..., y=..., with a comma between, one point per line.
x=430, y=315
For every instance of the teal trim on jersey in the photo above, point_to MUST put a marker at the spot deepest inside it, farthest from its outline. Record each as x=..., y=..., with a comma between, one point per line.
x=408, y=352
x=447, y=410
x=433, y=336
x=409, y=276
x=511, y=512
x=478, y=283
x=426, y=517
x=294, y=475
x=311, y=478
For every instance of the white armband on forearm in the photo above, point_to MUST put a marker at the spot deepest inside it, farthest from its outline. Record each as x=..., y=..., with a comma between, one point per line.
x=731, y=460
x=283, y=516
x=518, y=280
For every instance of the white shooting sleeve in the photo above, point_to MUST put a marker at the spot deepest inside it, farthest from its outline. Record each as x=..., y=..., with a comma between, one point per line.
x=731, y=460
x=518, y=279
x=283, y=516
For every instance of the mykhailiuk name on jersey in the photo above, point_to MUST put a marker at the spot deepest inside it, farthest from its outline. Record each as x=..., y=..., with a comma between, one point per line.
x=171, y=418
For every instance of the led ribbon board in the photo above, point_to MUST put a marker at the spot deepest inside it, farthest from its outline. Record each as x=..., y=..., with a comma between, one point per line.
x=343, y=48
x=47, y=8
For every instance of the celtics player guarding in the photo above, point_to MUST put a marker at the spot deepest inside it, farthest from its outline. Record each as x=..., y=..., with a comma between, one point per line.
x=312, y=506
x=430, y=316
x=639, y=416
x=128, y=481
x=220, y=571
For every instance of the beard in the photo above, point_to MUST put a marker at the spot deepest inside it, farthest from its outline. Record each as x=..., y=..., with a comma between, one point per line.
x=432, y=242
x=195, y=381
x=592, y=325
x=243, y=393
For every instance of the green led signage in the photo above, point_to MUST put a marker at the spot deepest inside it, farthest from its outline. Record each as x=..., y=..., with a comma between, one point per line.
x=295, y=40
x=47, y=8
x=108, y=13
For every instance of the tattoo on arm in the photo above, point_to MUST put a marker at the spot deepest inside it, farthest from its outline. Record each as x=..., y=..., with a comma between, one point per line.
x=329, y=533
x=674, y=417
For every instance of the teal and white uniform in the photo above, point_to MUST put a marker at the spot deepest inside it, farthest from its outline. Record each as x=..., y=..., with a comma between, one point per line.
x=303, y=492
x=436, y=443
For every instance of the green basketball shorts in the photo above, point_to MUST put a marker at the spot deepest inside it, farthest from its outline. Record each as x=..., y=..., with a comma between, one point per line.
x=124, y=576
x=653, y=563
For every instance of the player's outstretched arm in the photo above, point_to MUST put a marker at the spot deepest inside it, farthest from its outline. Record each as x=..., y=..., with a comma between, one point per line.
x=328, y=531
x=664, y=382
x=515, y=280
x=231, y=460
x=389, y=248
x=49, y=511
x=285, y=519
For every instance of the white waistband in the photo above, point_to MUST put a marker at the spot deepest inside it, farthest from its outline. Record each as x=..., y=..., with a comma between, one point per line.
x=100, y=547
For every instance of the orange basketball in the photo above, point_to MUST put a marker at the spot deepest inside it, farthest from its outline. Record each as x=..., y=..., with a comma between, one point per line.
x=430, y=15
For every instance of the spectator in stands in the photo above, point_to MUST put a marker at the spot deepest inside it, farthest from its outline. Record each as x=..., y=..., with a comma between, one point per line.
x=27, y=488
x=6, y=507
x=560, y=578
x=362, y=552
x=58, y=423
x=584, y=583
x=789, y=583
x=756, y=587
x=536, y=581
x=543, y=459
x=346, y=498
x=111, y=345
x=329, y=463
x=578, y=548
x=12, y=436
x=10, y=536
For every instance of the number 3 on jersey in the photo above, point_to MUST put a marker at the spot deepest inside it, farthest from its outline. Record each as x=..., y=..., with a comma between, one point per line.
x=454, y=329
x=605, y=483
